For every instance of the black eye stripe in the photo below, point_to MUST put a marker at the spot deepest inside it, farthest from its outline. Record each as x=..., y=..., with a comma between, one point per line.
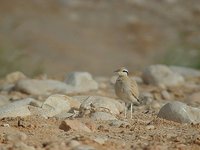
x=125, y=71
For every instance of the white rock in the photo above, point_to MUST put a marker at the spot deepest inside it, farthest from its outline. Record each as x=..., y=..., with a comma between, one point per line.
x=161, y=75
x=100, y=103
x=56, y=104
x=100, y=139
x=64, y=115
x=81, y=81
x=179, y=112
x=165, y=94
x=102, y=116
x=185, y=71
x=74, y=143
x=42, y=87
x=118, y=123
x=84, y=147
x=18, y=108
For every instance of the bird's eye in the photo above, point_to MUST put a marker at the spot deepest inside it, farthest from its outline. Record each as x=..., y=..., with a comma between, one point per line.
x=125, y=71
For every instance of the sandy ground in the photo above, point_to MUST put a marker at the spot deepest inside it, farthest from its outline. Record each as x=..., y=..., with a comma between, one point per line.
x=144, y=131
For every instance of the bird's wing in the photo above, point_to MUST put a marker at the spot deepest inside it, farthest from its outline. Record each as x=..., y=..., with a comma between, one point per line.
x=134, y=90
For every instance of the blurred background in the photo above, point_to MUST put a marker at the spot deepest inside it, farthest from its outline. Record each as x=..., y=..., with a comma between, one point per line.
x=57, y=36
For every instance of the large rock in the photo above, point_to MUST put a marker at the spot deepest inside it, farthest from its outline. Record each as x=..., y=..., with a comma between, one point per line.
x=185, y=71
x=81, y=81
x=179, y=112
x=17, y=108
x=42, y=87
x=161, y=75
x=99, y=103
x=56, y=104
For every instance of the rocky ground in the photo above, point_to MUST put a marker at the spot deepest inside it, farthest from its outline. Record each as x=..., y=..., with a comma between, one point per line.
x=81, y=112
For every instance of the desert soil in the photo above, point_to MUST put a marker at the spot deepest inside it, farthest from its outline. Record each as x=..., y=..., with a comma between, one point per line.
x=144, y=131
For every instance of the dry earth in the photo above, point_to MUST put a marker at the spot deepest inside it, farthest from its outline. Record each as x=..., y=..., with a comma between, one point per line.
x=144, y=131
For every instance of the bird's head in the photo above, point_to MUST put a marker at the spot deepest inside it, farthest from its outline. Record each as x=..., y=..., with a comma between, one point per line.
x=122, y=71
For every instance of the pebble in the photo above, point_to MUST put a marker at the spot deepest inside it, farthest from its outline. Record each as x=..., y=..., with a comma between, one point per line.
x=165, y=94
x=81, y=81
x=75, y=125
x=100, y=139
x=102, y=116
x=119, y=123
x=73, y=143
x=150, y=127
x=161, y=75
x=84, y=147
x=180, y=112
x=56, y=104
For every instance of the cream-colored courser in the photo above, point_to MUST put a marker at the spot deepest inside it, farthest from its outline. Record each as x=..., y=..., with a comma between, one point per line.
x=126, y=89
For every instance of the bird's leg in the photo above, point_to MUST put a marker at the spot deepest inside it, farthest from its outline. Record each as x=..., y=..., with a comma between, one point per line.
x=131, y=110
x=125, y=110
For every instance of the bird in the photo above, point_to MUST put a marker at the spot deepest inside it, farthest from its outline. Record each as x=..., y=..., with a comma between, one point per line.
x=126, y=88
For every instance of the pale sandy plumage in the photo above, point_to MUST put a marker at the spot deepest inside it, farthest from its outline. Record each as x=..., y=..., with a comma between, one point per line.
x=126, y=88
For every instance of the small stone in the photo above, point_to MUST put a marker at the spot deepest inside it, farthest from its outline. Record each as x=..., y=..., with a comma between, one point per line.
x=119, y=123
x=100, y=140
x=179, y=112
x=150, y=127
x=73, y=143
x=56, y=104
x=84, y=147
x=74, y=125
x=103, y=116
x=16, y=137
x=6, y=125
x=165, y=94
x=161, y=74
x=81, y=81
x=155, y=105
